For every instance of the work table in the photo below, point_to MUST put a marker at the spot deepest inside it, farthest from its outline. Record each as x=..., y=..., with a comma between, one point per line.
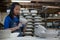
x=29, y=38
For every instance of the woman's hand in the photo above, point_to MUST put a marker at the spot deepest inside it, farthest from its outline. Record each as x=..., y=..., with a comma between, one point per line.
x=17, y=27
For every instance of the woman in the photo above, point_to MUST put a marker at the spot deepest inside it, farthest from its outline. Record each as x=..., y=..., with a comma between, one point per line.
x=12, y=20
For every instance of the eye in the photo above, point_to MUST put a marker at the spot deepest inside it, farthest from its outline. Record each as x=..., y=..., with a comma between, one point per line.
x=16, y=9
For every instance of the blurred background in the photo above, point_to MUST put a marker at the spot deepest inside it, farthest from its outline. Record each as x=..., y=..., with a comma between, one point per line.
x=43, y=12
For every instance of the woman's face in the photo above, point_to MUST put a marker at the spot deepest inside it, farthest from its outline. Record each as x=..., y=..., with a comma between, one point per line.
x=17, y=10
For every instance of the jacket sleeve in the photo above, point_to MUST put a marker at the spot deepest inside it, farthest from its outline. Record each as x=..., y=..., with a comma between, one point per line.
x=6, y=23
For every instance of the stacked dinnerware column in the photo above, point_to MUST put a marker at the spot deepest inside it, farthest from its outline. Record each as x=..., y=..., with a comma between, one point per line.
x=29, y=26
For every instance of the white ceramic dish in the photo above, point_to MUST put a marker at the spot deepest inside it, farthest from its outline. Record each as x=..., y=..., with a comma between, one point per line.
x=28, y=33
x=14, y=34
x=37, y=17
x=49, y=24
x=29, y=23
x=25, y=14
x=29, y=26
x=28, y=17
x=37, y=20
x=50, y=34
x=36, y=23
x=29, y=29
x=43, y=32
x=25, y=11
x=23, y=20
x=34, y=14
x=33, y=11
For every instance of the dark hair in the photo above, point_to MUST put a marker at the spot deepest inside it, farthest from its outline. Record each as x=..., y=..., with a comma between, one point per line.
x=12, y=9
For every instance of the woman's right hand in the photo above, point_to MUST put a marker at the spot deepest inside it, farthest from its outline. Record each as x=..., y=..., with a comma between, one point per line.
x=19, y=25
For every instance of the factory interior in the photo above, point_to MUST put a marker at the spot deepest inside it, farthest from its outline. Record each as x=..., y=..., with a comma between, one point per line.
x=42, y=19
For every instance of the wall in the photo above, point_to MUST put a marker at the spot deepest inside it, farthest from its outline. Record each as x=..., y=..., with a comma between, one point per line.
x=2, y=17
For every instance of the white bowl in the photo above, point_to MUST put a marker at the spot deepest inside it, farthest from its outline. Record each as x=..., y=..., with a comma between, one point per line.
x=37, y=17
x=23, y=20
x=33, y=11
x=29, y=29
x=28, y=17
x=30, y=23
x=49, y=34
x=29, y=26
x=37, y=20
x=14, y=34
x=25, y=11
x=36, y=23
x=28, y=33
x=34, y=14
x=25, y=14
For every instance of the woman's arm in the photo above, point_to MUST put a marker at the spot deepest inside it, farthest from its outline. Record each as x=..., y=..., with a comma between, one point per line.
x=7, y=23
x=24, y=28
x=15, y=28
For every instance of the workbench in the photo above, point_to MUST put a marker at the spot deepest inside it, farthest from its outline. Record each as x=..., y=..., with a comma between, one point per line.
x=30, y=38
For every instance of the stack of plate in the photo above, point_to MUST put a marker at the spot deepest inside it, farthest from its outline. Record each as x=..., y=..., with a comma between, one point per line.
x=29, y=27
x=33, y=12
x=25, y=12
